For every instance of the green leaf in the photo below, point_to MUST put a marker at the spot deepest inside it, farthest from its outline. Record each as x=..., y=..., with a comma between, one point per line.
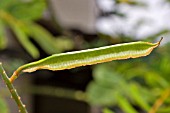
x=46, y=40
x=3, y=39
x=64, y=43
x=106, y=76
x=106, y=86
x=24, y=40
x=125, y=105
x=4, y=4
x=106, y=110
x=138, y=97
x=43, y=38
x=98, y=94
x=89, y=57
x=19, y=29
x=30, y=10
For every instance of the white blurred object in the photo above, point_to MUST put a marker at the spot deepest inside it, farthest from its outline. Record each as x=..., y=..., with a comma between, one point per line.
x=106, y=5
x=76, y=14
x=139, y=22
x=154, y=17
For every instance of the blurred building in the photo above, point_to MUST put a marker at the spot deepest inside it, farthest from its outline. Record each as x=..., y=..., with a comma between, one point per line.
x=76, y=14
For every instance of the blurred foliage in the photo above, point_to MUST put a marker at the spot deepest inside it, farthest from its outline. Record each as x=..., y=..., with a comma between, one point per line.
x=137, y=85
x=19, y=15
x=132, y=83
x=3, y=106
x=106, y=110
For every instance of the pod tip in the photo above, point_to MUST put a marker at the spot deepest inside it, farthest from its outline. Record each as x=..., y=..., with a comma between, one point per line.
x=160, y=41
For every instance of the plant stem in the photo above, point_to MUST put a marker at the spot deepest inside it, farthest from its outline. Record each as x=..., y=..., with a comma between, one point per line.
x=12, y=90
x=15, y=75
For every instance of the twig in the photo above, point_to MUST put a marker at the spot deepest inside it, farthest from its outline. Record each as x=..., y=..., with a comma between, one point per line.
x=12, y=90
x=15, y=75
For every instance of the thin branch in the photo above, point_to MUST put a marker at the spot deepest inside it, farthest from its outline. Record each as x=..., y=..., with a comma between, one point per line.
x=15, y=75
x=12, y=90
